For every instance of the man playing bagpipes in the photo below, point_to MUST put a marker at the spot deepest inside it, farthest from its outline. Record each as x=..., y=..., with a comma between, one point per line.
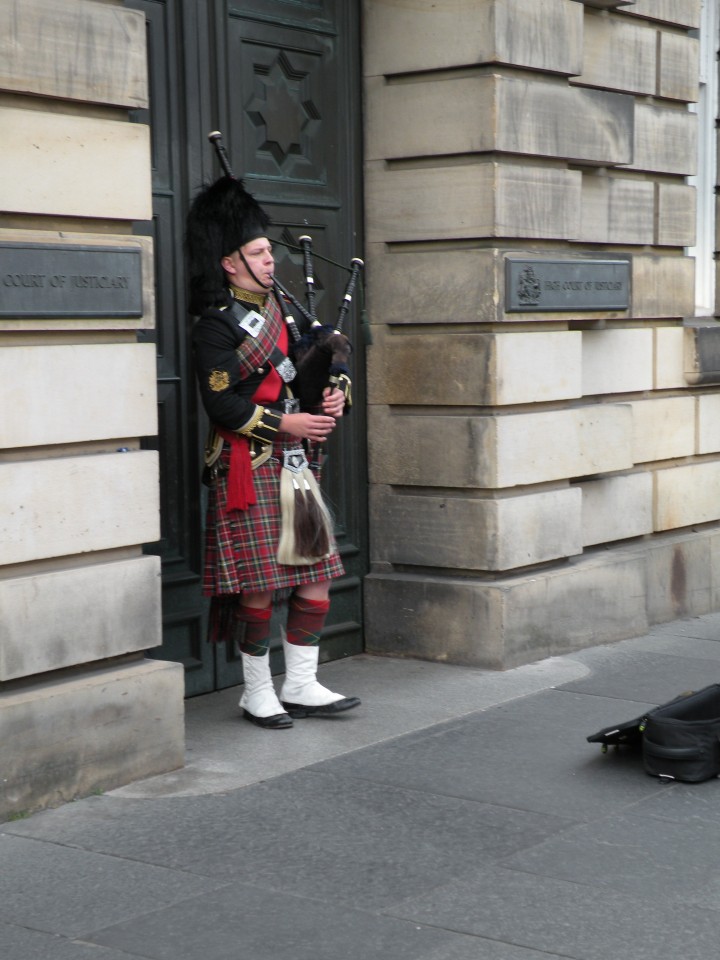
x=268, y=533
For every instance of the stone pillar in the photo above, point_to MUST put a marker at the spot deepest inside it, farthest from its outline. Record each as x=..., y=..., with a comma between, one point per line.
x=540, y=480
x=81, y=709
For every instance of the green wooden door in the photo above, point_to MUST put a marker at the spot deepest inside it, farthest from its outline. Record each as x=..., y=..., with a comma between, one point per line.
x=281, y=79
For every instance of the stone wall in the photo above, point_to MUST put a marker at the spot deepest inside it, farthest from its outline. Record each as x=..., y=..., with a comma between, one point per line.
x=81, y=709
x=539, y=480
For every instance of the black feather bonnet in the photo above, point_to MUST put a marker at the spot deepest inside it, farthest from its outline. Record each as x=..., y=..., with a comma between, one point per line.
x=222, y=218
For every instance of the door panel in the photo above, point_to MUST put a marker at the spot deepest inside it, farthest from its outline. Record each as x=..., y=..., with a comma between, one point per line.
x=293, y=134
x=280, y=78
x=288, y=109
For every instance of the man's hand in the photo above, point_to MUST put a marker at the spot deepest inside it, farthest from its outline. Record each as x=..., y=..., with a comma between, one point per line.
x=308, y=426
x=333, y=402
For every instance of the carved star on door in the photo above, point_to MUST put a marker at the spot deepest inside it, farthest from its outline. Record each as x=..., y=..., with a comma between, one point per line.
x=279, y=111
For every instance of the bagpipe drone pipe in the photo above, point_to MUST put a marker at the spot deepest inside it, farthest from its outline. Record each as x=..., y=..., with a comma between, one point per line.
x=321, y=355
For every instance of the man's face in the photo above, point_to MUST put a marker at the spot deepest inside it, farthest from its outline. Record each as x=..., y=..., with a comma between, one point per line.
x=258, y=254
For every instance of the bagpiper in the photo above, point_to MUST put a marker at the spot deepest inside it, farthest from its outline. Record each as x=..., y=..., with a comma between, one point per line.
x=268, y=534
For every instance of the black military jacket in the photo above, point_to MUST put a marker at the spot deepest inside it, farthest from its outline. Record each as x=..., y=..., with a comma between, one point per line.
x=227, y=390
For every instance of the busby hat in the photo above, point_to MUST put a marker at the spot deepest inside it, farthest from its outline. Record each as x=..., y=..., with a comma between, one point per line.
x=222, y=218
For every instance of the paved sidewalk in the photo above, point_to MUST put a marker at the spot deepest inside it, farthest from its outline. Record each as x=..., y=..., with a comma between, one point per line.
x=459, y=814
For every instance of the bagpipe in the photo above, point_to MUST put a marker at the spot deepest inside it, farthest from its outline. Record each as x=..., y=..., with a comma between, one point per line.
x=321, y=356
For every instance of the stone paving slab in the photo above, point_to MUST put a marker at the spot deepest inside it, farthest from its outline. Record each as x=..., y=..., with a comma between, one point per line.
x=692, y=803
x=23, y=944
x=675, y=645
x=244, y=922
x=705, y=627
x=568, y=919
x=648, y=676
x=53, y=888
x=531, y=755
x=661, y=860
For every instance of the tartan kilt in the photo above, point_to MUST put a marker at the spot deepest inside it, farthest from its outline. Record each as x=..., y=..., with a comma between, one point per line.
x=241, y=545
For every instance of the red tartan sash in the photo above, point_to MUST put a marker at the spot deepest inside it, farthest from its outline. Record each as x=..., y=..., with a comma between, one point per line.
x=254, y=352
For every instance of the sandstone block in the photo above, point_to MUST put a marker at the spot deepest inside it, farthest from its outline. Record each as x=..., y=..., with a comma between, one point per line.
x=537, y=367
x=65, y=153
x=401, y=38
x=663, y=428
x=618, y=55
x=663, y=286
x=404, y=369
x=616, y=361
x=96, y=730
x=594, y=598
x=669, y=357
x=475, y=534
x=405, y=284
x=676, y=220
x=498, y=452
x=702, y=352
x=484, y=199
x=708, y=423
x=570, y=123
x=678, y=73
x=94, y=53
x=48, y=623
x=665, y=140
x=431, y=451
x=451, y=619
x=680, y=576
x=510, y=620
x=430, y=118
x=617, y=211
x=85, y=409
x=477, y=369
x=687, y=494
x=69, y=505
x=616, y=508
x=552, y=445
x=684, y=13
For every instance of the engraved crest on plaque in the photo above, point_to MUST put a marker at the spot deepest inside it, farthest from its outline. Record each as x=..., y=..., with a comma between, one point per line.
x=529, y=289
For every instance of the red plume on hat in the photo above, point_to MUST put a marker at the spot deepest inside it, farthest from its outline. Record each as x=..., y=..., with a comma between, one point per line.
x=222, y=218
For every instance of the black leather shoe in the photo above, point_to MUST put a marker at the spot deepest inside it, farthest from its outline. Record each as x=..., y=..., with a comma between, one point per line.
x=278, y=721
x=299, y=710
